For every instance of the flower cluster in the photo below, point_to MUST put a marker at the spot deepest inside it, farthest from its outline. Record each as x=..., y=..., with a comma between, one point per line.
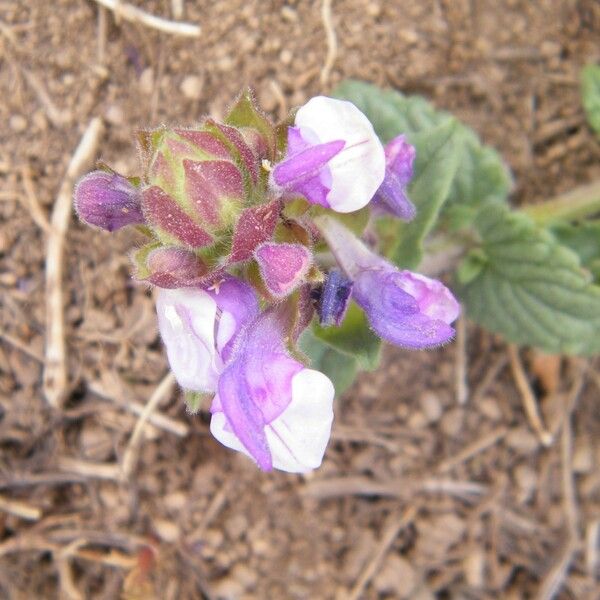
x=240, y=218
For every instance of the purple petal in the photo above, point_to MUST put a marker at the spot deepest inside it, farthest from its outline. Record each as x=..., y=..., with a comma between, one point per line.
x=108, y=201
x=391, y=196
x=306, y=164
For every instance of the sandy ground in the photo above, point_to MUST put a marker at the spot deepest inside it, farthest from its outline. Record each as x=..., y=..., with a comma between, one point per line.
x=419, y=496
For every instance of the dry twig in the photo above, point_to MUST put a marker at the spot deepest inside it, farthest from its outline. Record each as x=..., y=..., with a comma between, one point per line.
x=89, y=470
x=20, y=509
x=136, y=15
x=327, y=19
x=31, y=202
x=473, y=449
x=55, y=373
x=157, y=419
x=130, y=456
x=394, y=527
x=460, y=373
x=528, y=397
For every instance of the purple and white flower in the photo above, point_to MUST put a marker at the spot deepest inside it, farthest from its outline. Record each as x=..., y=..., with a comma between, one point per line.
x=404, y=308
x=334, y=157
x=267, y=404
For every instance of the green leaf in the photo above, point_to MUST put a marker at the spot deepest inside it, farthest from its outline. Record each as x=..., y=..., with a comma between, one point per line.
x=436, y=165
x=341, y=368
x=590, y=95
x=353, y=337
x=529, y=287
x=584, y=239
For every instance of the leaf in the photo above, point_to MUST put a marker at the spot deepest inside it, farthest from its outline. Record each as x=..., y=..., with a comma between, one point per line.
x=529, y=287
x=339, y=367
x=584, y=239
x=353, y=337
x=590, y=95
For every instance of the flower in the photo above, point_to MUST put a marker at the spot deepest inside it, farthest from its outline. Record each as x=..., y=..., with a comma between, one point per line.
x=267, y=404
x=334, y=157
x=404, y=308
x=391, y=196
x=198, y=327
x=334, y=299
x=108, y=200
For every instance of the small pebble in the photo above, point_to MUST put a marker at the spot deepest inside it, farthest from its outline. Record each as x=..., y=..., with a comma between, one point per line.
x=397, y=577
x=431, y=406
x=146, y=81
x=191, y=87
x=18, y=123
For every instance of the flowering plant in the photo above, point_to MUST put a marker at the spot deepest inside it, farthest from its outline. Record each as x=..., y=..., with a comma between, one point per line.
x=256, y=245
x=283, y=255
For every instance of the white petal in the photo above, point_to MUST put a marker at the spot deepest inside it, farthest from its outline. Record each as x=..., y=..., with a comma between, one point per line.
x=221, y=430
x=186, y=319
x=298, y=437
x=358, y=170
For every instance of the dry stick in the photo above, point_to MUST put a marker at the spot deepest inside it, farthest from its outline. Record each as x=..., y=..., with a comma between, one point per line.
x=156, y=418
x=55, y=373
x=55, y=115
x=32, y=204
x=20, y=509
x=326, y=17
x=135, y=15
x=555, y=578
x=460, y=373
x=89, y=470
x=473, y=449
x=528, y=397
x=390, y=534
x=22, y=346
x=131, y=454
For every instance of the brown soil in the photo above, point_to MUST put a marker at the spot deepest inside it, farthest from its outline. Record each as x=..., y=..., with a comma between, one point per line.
x=419, y=496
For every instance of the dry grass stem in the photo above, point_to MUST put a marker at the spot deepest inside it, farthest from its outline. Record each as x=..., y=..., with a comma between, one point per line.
x=214, y=508
x=157, y=418
x=394, y=527
x=460, y=373
x=362, y=486
x=528, y=397
x=483, y=443
x=592, y=548
x=22, y=346
x=59, y=118
x=89, y=470
x=32, y=204
x=131, y=454
x=131, y=13
x=55, y=373
x=20, y=509
x=327, y=18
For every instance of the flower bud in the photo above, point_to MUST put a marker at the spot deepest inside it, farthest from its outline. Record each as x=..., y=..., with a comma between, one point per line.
x=108, y=200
